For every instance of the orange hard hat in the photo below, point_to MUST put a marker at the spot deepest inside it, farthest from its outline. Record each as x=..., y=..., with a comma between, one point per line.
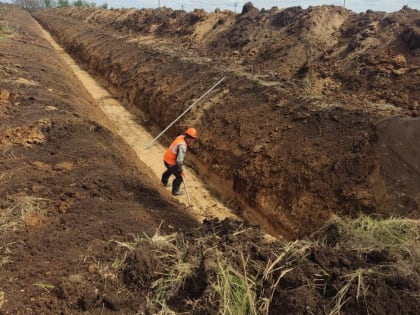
x=191, y=132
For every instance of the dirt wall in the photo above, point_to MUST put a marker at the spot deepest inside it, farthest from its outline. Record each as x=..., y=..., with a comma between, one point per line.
x=288, y=152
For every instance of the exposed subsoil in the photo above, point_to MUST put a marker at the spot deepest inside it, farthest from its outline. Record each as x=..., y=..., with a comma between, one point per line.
x=317, y=115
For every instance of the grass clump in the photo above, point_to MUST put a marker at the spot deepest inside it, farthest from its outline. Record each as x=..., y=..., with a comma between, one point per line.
x=391, y=232
x=5, y=31
x=398, y=236
x=236, y=290
x=164, y=262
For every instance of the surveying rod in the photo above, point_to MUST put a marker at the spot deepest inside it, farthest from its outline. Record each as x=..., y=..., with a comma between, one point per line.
x=191, y=106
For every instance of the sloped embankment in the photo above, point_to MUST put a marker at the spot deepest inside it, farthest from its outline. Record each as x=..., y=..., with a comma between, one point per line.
x=291, y=135
x=68, y=184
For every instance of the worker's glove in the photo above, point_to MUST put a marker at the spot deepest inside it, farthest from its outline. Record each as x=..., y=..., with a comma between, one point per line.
x=182, y=174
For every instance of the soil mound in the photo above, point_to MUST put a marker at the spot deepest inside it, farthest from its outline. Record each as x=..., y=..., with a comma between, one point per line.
x=337, y=50
x=68, y=184
x=231, y=267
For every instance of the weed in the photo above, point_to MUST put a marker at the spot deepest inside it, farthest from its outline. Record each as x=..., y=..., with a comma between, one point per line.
x=392, y=232
x=398, y=238
x=169, y=283
x=5, y=251
x=125, y=248
x=106, y=271
x=5, y=260
x=118, y=262
x=291, y=252
x=6, y=219
x=367, y=231
x=109, y=275
x=137, y=238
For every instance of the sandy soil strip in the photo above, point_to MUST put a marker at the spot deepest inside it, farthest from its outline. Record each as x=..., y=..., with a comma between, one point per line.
x=202, y=204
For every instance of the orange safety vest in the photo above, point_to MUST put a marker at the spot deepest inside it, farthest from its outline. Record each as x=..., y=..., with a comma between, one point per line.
x=171, y=152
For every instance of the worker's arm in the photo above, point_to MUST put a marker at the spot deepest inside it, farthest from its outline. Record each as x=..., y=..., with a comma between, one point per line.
x=182, y=149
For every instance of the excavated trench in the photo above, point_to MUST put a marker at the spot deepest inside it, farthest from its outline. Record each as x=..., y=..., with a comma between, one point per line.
x=199, y=202
x=86, y=229
x=284, y=161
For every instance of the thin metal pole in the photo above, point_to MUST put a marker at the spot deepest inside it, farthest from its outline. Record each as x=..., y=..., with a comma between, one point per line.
x=191, y=106
x=186, y=191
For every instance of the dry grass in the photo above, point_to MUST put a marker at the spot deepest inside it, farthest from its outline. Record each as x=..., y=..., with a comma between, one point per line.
x=398, y=238
x=248, y=286
x=23, y=208
x=5, y=254
x=289, y=256
x=15, y=216
x=342, y=297
x=171, y=254
x=45, y=286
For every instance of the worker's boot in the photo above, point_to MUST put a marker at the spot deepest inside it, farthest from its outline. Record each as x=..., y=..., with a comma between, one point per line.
x=176, y=185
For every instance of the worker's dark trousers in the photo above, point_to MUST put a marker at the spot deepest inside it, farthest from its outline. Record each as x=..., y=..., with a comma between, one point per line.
x=172, y=170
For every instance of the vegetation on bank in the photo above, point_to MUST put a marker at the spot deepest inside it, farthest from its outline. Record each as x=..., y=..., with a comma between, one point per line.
x=48, y=4
x=4, y=31
x=346, y=267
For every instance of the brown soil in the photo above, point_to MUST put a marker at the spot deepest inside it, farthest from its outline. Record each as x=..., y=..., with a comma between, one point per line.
x=324, y=77
x=68, y=184
x=317, y=116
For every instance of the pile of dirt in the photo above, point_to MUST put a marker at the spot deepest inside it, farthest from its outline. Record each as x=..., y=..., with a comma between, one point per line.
x=298, y=130
x=228, y=267
x=339, y=52
x=68, y=184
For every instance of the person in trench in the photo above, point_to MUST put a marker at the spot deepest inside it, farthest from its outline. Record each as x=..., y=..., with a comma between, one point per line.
x=174, y=158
